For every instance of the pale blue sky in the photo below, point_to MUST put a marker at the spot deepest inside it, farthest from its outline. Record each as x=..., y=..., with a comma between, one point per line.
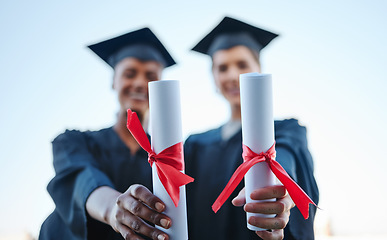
x=328, y=68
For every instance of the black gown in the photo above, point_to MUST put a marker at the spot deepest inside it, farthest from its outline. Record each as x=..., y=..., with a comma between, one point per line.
x=212, y=161
x=84, y=161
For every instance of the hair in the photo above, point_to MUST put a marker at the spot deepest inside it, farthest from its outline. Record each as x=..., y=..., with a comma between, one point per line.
x=255, y=54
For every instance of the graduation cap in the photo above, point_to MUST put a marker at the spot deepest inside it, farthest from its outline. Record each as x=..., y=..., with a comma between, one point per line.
x=231, y=32
x=141, y=44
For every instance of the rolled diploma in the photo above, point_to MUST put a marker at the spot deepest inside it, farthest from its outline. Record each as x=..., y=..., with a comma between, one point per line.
x=166, y=131
x=257, y=131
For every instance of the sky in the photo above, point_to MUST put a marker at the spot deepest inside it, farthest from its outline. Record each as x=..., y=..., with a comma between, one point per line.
x=328, y=70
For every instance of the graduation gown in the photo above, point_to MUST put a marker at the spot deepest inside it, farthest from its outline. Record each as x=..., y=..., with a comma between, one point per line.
x=212, y=160
x=84, y=161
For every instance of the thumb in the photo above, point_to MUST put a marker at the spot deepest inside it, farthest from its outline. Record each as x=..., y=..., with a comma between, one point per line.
x=239, y=200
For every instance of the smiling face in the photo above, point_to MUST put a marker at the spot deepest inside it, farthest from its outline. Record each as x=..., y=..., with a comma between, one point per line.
x=131, y=77
x=228, y=64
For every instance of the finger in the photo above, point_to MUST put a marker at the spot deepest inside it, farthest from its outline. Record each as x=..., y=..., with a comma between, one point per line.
x=265, y=207
x=277, y=191
x=127, y=233
x=272, y=235
x=278, y=222
x=137, y=208
x=276, y=207
x=137, y=225
x=239, y=200
x=143, y=194
x=288, y=202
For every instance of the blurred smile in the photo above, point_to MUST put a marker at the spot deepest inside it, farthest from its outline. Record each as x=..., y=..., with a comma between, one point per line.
x=138, y=96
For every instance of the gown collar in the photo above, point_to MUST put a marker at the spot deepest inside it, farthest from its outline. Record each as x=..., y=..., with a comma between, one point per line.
x=229, y=129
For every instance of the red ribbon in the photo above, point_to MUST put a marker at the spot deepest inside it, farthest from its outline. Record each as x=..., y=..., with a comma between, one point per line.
x=250, y=158
x=169, y=162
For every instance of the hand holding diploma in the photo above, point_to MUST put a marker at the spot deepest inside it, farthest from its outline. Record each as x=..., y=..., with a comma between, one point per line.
x=133, y=208
x=281, y=208
x=127, y=212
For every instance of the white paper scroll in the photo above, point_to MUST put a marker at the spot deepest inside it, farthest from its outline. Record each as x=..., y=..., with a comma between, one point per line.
x=166, y=131
x=257, y=131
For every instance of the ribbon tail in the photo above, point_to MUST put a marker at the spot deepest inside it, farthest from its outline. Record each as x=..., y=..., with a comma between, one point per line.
x=134, y=126
x=235, y=179
x=299, y=197
x=172, y=179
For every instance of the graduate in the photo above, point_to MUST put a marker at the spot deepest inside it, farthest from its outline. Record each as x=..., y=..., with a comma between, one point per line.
x=213, y=156
x=97, y=173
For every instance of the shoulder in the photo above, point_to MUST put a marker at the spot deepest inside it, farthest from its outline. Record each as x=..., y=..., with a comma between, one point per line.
x=290, y=129
x=75, y=146
x=77, y=136
x=68, y=136
x=205, y=138
x=288, y=124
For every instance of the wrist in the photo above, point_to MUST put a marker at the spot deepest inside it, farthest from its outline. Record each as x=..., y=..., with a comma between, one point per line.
x=101, y=203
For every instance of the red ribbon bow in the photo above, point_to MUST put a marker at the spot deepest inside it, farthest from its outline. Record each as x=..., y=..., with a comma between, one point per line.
x=250, y=158
x=169, y=162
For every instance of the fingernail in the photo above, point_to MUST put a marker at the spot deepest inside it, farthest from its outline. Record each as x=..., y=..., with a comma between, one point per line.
x=247, y=207
x=161, y=237
x=159, y=207
x=165, y=223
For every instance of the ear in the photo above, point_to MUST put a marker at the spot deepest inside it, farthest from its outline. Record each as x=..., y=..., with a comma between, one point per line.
x=113, y=81
x=214, y=77
x=216, y=83
x=213, y=74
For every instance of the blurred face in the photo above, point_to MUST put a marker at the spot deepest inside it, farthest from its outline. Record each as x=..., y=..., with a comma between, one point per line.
x=131, y=77
x=228, y=64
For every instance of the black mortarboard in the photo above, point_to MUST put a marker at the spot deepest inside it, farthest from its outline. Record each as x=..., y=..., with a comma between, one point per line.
x=142, y=44
x=231, y=32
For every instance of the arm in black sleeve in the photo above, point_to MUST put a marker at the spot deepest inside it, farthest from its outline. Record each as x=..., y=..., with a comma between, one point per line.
x=77, y=175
